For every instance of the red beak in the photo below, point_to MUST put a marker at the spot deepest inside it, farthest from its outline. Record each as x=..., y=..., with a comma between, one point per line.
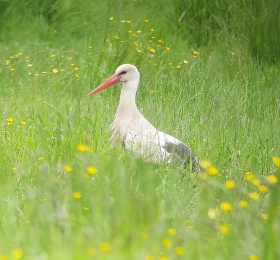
x=106, y=84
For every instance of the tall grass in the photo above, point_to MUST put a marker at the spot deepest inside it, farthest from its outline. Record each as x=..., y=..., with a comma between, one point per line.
x=250, y=25
x=66, y=193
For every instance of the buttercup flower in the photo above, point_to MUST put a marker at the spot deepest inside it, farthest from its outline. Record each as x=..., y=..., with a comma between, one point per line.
x=104, y=246
x=225, y=206
x=77, y=195
x=276, y=161
x=271, y=179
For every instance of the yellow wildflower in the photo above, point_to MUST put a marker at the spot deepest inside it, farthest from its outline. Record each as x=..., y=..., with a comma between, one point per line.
x=14, y=169
x=195, y=52
x=3, y=257
x=276, y=161
x=146, y=21
x=249, y=176
x=82, y=148
x=104, y=246
x=160, y=41
x=212, y=170
x=256, y=182
x=204, y=164
x=271, y=179
x=253, y=257
x=55, y=70
x=264, y=216
x=178, y=66
x=232, y=54
x=224, y=228
x=262, y=188
x=225, y=206
x=77, y=195
x=128, y=21
x=166, y=243
x=41, y=158
x=254, y=195
x=92, y=170
x=90, y=47
x=148, y=257
x=17, y=253
x=230, y=184
x=86, y=208
x=23, y=123
x=152, y=30
x=180, y=250
x=152, y=91
x=111, y=18
x=30, y=65
x=243, y=203
x=68, y=168
x=171, y=231
x=122, y=21
x=53, y=56
x=152, y=50
x=10, y=121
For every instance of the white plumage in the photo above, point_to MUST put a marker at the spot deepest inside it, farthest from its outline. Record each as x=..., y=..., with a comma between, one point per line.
x=134, y=131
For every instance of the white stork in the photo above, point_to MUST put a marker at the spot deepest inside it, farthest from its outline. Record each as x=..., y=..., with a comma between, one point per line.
x=135, y=132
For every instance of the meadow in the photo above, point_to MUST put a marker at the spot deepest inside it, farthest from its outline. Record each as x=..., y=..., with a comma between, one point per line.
x=209, y=76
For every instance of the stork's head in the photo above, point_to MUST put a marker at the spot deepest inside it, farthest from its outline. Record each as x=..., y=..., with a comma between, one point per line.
x=127, y=72
x=123, y=73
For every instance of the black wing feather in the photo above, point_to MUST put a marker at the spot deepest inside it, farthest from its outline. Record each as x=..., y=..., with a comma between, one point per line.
x=184, y=153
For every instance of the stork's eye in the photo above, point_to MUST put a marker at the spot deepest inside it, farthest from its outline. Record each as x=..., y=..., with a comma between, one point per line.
x=123, y=72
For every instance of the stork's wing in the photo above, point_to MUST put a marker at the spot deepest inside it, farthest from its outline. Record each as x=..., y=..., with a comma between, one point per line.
x=174, y=146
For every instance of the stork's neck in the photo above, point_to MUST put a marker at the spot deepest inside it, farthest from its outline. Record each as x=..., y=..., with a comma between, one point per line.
x=127, y=105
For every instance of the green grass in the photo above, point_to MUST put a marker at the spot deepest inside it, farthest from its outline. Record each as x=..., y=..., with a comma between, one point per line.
x=223, y=103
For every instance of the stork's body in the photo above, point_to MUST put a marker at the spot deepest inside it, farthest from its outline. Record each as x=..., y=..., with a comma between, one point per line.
x=134, y=131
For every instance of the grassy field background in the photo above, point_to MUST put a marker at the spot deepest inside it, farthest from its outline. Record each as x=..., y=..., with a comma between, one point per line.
x=209, y=76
